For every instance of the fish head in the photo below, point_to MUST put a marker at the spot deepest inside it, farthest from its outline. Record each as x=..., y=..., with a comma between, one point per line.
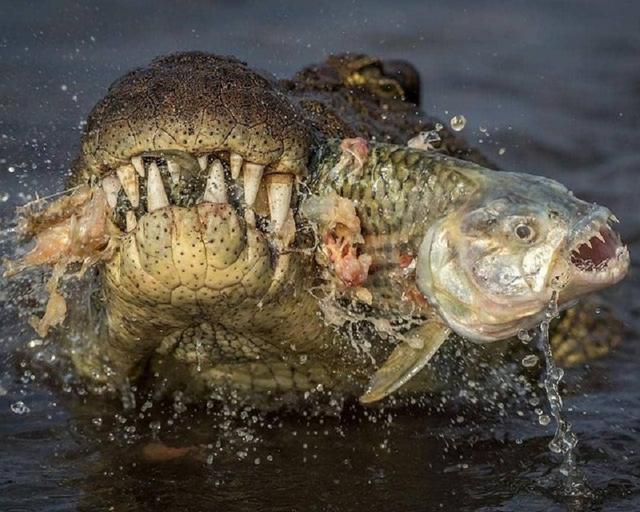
x=492, y=267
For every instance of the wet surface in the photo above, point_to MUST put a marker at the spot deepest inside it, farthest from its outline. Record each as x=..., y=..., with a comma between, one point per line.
x=556, y=85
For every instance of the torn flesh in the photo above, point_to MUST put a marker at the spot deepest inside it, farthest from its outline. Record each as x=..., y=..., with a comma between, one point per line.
x=340, y=232
x=72, y=229
x=350, y=267
x=355, y=153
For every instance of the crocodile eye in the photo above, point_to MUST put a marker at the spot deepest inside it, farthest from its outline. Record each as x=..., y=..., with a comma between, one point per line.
x=389, y=88
x=524, y=232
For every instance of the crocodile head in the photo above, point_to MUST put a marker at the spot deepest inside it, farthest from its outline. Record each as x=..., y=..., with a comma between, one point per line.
x=199, y=159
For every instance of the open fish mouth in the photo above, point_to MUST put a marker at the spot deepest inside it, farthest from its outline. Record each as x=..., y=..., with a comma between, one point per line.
x=597, y=254
x=160, y=179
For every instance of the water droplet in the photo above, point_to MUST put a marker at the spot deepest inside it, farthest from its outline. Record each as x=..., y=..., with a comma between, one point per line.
x=524, y=336
x=502, y=151
x=544, y=420
x=556, y=374
x=554, y=446
x=530, y=361
x=458, y=122
x=438, y=127
x=19, y=408
x=97, y=421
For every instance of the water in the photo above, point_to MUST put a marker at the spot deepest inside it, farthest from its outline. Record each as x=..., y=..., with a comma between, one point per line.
x=458, y=122
x=564, y=439
x=555, y=84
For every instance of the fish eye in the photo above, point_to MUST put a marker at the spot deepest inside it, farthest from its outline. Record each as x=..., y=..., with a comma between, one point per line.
x=524, y=232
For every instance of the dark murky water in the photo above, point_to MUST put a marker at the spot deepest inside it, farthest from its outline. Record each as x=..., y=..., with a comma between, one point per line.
x=557, y=84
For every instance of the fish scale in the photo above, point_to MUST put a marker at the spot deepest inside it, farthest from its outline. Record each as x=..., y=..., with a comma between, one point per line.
x=416, y=188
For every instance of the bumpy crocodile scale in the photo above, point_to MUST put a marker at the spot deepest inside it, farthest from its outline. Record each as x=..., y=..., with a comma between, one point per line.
x=263, y=234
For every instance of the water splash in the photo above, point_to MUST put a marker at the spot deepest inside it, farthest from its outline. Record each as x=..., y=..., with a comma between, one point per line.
x=426, y=141
x=564, y=440
x=458, y=122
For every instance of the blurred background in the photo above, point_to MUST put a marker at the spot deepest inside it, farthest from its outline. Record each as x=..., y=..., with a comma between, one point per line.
x=547, y=87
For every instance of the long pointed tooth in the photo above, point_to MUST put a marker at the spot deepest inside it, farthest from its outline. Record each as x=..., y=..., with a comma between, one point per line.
x=132, y=222
x=252, y=177
x=156, y=195
x=235, y=162
x=216, y=189
x=615, y=219
x=111, y=186
x=129, y=179
x=588, y=243
x=600, y=237
x=279, y=189
x=138, y=165
x=250, y=218
x=174, y=171
x=203, y=160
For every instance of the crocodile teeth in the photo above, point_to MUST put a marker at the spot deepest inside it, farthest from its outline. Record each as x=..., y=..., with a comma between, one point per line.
x=235, y=161
x=600, y=237
x=131, y=221
x=138, y=165
x=250, y=218
x=129, y=179
x=279, y=189
x=252, y=177
x=174, y=171
x=156, y=195
x=216, y=189
x=203, y=160
x=111, y=186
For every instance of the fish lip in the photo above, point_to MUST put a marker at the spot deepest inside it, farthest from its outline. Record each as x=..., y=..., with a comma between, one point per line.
x=595, y=229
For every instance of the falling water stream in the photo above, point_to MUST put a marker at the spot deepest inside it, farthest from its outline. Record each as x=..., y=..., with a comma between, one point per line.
x=564, y=440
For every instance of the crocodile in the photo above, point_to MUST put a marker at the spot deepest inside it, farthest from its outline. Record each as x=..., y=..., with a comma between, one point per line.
x=267, y=238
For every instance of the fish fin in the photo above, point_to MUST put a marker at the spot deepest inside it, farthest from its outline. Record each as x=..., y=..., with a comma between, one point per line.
x=406, y=360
